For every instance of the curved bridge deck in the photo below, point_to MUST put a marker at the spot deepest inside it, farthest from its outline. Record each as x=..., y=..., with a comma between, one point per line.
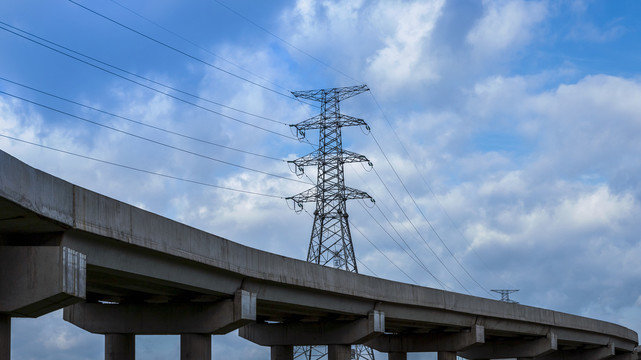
x=119, y=270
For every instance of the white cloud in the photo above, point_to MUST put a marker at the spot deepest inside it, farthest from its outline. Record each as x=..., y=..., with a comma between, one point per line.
x=405, y=60
x=385, y=43
x=18, y=122
x=506, y=25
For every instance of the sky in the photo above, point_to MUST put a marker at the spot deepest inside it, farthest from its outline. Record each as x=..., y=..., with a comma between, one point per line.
x=504, y=137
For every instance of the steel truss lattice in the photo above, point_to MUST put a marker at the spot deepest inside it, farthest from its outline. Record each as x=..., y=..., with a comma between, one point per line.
x=331, y=241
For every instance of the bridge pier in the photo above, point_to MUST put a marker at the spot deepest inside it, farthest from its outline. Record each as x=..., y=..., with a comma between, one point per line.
x=5, y=337
x=282, y=352
x=339, y=352
x=396, y=355
x=446, y=355
x=120, y=347
x=195, y=347
x=195, y=322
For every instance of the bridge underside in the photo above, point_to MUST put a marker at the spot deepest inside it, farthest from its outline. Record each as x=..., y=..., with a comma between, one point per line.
x=121, y=271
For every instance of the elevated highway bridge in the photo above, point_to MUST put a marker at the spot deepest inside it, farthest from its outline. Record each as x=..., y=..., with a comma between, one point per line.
x=120, y=271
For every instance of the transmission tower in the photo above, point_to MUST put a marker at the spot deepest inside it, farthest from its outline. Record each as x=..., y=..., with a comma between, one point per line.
x=505, y=295
x=331, y=241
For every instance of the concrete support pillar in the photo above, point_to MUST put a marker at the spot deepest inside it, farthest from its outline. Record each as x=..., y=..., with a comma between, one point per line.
x=5, y=337
x=339, y=352
x=120, y=346
x=195, y=347
x=446, y=355
x=283, y=352
x=397, y=355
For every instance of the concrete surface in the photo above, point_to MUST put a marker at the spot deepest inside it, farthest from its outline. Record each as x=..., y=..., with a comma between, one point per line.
x=39, y=279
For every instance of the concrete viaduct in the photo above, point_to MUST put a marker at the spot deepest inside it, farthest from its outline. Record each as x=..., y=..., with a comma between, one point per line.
x=118, y=270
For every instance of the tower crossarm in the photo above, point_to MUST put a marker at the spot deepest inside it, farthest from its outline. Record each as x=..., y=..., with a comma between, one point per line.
x=348, y=157
x=336, y=93
x=308, y=195
x=323, y=121
x=311, y=194
x=316, y=158
x=355, y=194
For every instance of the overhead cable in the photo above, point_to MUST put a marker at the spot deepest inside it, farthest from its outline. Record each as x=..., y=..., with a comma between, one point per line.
x=195, y=44
x=382, y=253
x=421, y=211
x=142, y=170
x=287, y=42
x=142, y=123
x=153, y=141
x=180, y=51
x=131, y=80
x=419, y=233
x=409, y=155
x=413, y=254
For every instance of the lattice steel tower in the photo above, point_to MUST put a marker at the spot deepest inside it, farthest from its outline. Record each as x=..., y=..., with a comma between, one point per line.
x=331, y=240
x=505, y=295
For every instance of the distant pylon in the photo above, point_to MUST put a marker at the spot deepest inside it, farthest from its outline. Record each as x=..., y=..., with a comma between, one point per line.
x=331, y=241
x=505, y=295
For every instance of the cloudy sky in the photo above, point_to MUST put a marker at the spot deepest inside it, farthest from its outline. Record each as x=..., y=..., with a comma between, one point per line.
x=504, y=136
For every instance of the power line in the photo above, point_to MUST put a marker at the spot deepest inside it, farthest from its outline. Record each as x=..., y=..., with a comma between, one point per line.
x=414, y=201
x=419, y=234
x=142, y=170
x=424, y=217
x=286, y=42
x=377, y=249
x=151, y=140
x=143, y=77
x=180, y=51
x=142, y=123
x=409, y=155
x=134, y=81
x=382, y=253
x=413, y=254
x=195, y=44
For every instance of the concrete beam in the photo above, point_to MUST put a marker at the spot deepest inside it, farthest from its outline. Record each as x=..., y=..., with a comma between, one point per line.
x=566, y=335
x=513, y=348
x=430, y=342
x=626, y=356
x=599, y=353
x=5, y=337
x=323, y=333
x=36, y=280
x=120, y=347
x=165, y=319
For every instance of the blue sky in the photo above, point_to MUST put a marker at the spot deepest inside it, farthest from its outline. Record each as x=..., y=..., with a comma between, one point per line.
x=522, y=120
